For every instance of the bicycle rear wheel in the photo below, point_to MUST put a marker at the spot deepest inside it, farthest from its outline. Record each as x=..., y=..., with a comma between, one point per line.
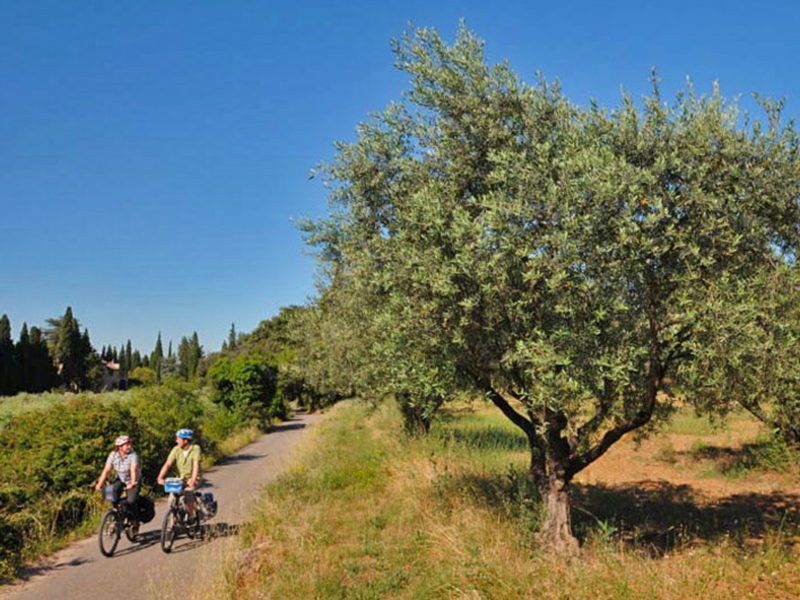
x=169, y=530
x=131, y=531
x=108, y=536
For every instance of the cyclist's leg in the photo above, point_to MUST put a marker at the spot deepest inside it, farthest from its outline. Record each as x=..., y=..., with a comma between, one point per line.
x=133, y=512
x=118, y=487
x=133, y=493
x=189, y=497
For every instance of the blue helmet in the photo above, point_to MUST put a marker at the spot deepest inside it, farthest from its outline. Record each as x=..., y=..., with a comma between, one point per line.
x=184, y=434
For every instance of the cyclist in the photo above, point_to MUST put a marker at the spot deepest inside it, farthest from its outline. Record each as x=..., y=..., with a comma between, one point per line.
x=186, y=457
x=126, y=464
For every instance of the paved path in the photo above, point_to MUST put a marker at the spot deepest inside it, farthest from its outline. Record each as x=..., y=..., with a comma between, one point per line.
x=140, y=571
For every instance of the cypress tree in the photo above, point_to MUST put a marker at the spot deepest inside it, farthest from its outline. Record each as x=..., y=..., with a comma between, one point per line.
x=157, y=356
x=88, y=361
x=44, y=375
x=195, y=354
x=128, y=357
x=232, y=337
x=7, y=383
x=68, y=350
x=183, y=358
x=23, y=360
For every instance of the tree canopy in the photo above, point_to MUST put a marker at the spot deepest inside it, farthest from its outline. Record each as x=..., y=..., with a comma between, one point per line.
x=568, y=262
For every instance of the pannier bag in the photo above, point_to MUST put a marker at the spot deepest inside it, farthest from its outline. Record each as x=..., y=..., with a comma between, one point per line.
x=146, y=508
x=209, y=504
x=108, y=493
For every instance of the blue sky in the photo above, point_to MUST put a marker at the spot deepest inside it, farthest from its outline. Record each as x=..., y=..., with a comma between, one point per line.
x=153, y=154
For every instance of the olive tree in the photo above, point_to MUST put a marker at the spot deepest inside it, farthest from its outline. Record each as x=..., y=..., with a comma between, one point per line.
x=564, y=261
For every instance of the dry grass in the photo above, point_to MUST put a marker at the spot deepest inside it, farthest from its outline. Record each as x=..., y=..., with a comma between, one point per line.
x=240, y=439
x=365, y=513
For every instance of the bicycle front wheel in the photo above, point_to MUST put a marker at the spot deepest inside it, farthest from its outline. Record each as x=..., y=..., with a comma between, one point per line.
x=169, y=530
x=108, y=536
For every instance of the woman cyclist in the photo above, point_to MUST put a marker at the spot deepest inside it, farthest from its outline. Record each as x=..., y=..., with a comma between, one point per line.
x=126, y=464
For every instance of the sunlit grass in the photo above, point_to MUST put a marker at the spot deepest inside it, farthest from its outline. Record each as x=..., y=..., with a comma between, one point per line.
x=368, y=513
x=23, y=402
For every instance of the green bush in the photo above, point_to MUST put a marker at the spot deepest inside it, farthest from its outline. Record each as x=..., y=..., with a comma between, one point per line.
x=246, y=386
x=50, y=458
x=159, y=411
x=60, y=449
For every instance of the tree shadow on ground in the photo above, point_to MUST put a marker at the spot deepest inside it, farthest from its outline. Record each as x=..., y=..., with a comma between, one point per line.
x=289, y=425
x=759, y=455
x=654, y=516
x=239, y=458
x=490, y=438
x=660, y=516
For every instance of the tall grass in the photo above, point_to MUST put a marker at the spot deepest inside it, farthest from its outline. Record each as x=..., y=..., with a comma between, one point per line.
x=368, y=513
x=24, y=402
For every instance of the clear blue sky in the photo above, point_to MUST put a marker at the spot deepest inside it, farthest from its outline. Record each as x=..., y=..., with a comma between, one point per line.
x=153, y=154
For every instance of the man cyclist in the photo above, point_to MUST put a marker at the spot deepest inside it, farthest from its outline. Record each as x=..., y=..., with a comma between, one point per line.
x=126, y=464
x=186, y=457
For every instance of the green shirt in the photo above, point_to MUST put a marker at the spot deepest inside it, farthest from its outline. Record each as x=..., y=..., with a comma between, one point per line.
x=184, y=459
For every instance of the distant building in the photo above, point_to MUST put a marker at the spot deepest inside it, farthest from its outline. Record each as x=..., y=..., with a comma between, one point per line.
x=114, y=376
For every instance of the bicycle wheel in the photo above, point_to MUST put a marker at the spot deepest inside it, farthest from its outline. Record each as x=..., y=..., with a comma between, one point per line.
x=131, y=532
x=192, y=526
x=108, y=536
x=169, y=530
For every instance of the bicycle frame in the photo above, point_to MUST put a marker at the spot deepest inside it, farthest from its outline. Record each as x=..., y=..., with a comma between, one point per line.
x=115, y=520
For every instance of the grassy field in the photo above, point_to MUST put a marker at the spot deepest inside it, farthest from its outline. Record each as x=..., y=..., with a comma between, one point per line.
x=367, y=513
x=12, y=405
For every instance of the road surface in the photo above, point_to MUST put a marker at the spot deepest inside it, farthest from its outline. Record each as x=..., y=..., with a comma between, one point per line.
x=142, y=570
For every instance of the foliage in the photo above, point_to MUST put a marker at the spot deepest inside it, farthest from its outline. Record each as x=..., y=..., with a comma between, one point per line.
x=56, y=450
x=25, y=366
x=748, y=350
x=190, y=352
x=563, y=261
x=143, y=376
x=158, y=413
x=50, y=457
x=245, y=386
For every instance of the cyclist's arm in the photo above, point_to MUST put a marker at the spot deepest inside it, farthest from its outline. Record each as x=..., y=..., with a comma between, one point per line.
x=134, y=476
x=164, y=471
x=195, y=472
x=103, y=477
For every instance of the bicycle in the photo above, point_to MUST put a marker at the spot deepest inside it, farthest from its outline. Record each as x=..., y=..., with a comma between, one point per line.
x=117, y=519
x=177, y=517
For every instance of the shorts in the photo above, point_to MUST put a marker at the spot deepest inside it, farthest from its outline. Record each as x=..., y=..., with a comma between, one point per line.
x=190, y=491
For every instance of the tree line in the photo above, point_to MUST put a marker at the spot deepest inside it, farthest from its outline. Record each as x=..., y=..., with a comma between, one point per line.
x=61, y=355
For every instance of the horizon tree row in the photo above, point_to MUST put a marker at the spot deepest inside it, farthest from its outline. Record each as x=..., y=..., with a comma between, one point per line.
x=60, y=355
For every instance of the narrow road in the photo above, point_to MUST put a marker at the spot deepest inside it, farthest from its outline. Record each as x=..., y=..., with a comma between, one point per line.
x=142, y=570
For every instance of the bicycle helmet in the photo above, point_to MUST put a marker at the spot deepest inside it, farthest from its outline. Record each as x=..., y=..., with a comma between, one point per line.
x=184, y=434
x=122, y=439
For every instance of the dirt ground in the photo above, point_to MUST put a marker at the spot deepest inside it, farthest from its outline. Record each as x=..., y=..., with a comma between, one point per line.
x=668, y=457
